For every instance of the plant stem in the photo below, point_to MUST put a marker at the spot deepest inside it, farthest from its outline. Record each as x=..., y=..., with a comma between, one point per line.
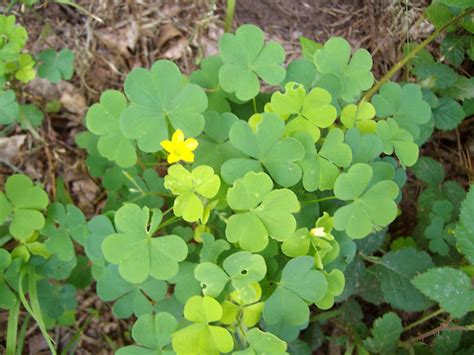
x=22, y=334
x=422, y=320
x=168, y=222
x=12, y=329
x=319, y=200
x=254, y=105
x=412, y=54
x=229, y=15
x=326, y=315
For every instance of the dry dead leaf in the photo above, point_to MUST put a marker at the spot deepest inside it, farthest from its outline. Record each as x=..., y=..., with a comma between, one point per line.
x=10, y=146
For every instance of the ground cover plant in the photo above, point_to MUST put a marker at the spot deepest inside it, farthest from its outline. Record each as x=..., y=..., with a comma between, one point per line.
x=248, y=205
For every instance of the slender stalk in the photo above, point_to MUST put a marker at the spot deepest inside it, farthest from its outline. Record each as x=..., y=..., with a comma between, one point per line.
x=229, y=15
x=168, y=222
x=254, y=105
x=413, y=53
x=319, y=200
x=326, y=315
x=12, y=329
x=422, y=320
x=22, y=334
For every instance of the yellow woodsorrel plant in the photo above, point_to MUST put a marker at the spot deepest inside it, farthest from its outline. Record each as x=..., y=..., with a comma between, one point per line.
x=239, y=221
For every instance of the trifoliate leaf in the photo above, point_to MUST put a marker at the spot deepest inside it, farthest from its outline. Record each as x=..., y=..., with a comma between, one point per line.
x=301, y=71
x=24, y=202
x=152, y=333
x=365, y=213
x=404, y=104
x=309, y=47
x=336, y=282
x=464, y=232
x=30, y=116
x=207, y=77
x=266, y=148
x=103, y=119
x=386, y=333
x=9, y=107
x=360, y=116
x=185, y=284
x=135, y=250
x=364, y=147
x=56, y=66
x=214, y=146
x=160, y=98
x=262, y=343
x=263, y=212
x=451, y=288
x=395, y=272
x=25, y=71
x=429, y=171
x=129, y=298
x=246, y=59
x=212, y=248
x=334, y=62
x=202, y=337
x=448, y=115
x=7, y=297
x=309, y=112
x=398, y=140
x=192, y=188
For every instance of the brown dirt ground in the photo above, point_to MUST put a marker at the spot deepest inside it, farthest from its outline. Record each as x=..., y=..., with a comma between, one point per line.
x=138, y=32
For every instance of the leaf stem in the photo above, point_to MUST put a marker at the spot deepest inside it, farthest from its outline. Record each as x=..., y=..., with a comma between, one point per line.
x=229, y=15
x=326, y=315
x=412, y=54
x=422, y=320
x=319, y=200
x=12, y=328
x=22, y=334
x=168, y=222
x=254, y=105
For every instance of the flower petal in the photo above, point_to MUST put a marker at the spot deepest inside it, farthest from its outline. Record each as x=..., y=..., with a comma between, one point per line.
x=191, y=143
x=178, y=136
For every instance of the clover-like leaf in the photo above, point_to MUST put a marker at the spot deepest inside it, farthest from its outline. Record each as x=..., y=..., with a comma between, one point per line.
x=451, y=288
x=286, y=310
x=336, y=282
x=129, y=298
x=265, y=147
x=30, y=116
x=23, y=201
x=201, y=337
x=365, y=147
x=9, y=107
x=360, y=116
x=371, y=208
x=185, y=284
x=193, y=189
x=263, y=212
x=398, y=140
x=214, y=146
x=241, y=268
x=134, y=249
x=26, y=68
x=56, y=66
x=160, y=97
x=354, y=75
x=152, y=333
x=303, y=112
x=246, y=59
x=404, y=104
x=263, y=343
x=103, y=119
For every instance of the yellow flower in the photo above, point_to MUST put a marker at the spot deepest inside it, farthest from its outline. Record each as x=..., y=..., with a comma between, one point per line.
x=179, y=148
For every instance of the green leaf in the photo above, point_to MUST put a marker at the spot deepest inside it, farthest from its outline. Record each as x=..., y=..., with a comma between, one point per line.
x=429, y=171
x=193, y=189
x=364, y=147
x=386, y=333
x=24, y=201
x=395, y=271
x=460, y=4
x=152, y=332
x=404, y=104
x=103, y=119
x=448, y=115
x=360, y=116
x=160, y=98
x=9, y=107
x=56, y=66
x=246, y=59
x=263, y=212
x=301, y=71
x=201, y=337
x=309, y=112
x=211, y=248
x=334, y=62
x=452, y=48
x=435, y=75
x=265, y=147
x=30, y=116
x=135, y=250
x=451, y=288
x=262, y=343
x=464, y=232
x=7, y=298
x=364, y=214
x=129, y=298
x=185, y=284
x=309, y=47
x=398, y=140
x=214, y=146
